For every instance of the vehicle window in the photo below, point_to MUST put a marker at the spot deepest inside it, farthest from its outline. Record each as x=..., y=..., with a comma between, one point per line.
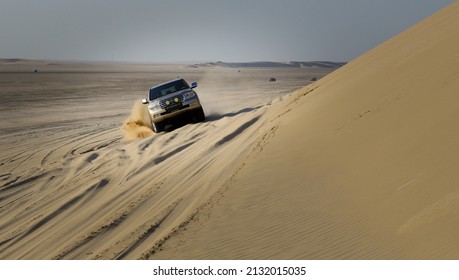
x=168, y=89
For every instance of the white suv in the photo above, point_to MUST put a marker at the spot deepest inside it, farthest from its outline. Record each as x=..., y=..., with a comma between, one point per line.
x=172, y=99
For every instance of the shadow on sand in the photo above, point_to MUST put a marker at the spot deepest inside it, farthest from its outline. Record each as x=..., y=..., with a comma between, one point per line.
x=217, y=116
x=184, y=120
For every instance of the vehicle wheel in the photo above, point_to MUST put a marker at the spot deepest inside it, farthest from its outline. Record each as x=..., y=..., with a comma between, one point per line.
x=199, y=115
x=157, y=127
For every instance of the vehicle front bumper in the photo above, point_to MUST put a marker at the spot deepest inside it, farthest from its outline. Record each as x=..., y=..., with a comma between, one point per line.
x=159, y=115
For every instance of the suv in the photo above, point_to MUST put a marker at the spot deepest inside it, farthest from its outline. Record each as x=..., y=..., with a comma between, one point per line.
x=172, y=99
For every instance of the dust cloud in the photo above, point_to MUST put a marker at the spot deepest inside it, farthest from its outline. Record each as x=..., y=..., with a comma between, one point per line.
x=138, y=124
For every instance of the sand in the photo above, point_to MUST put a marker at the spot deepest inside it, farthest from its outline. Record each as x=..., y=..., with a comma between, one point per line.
x=359, y=165
x=84, y=177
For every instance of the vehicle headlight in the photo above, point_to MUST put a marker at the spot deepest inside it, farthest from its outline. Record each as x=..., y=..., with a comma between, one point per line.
x=154, y=106
x=188, y=95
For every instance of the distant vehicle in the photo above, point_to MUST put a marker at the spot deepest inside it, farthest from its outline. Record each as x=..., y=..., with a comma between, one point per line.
x=170, y=100
x=272, y=79
x=313, y=79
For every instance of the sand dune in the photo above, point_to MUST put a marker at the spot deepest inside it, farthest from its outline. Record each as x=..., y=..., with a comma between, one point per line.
x=361, y=165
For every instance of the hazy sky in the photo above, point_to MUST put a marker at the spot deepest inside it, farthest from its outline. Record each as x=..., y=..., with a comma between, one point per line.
x=203, y=30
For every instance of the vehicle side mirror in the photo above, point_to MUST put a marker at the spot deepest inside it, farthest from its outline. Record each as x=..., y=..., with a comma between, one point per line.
x=194, y=84
x=144, y=101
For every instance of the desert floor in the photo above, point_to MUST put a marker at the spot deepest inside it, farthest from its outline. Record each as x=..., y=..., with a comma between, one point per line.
x=80, y=180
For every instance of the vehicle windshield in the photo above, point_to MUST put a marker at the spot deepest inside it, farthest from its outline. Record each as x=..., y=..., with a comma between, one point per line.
x=169, y=88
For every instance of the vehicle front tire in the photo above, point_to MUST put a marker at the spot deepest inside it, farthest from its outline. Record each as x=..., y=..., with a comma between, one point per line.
x=199, y=115
x=157, y=127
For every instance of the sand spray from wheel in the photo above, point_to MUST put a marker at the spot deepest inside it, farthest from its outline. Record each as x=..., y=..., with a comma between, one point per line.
x=138, y=124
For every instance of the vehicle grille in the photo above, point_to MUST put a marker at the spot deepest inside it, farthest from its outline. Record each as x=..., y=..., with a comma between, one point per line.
x=172, y=101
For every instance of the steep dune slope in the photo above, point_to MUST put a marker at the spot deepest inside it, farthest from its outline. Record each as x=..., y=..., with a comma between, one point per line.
x=361, y=165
